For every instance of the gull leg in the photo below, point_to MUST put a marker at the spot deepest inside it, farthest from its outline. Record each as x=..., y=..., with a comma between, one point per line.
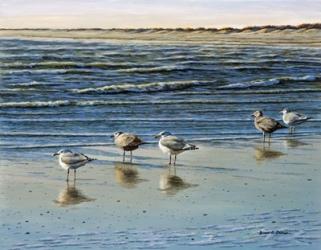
x=170, y=159
x=124, y=156
x=175, y=160
x=263, y=137
x=269, y=138
x=131, y=156
x=74, y=174
x=292, y=129
x=67, y=175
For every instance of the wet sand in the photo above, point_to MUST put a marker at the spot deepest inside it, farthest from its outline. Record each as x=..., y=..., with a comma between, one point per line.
x=227, y=194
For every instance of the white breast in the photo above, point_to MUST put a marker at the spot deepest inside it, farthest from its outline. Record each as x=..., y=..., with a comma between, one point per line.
x=164, y=149
x=286, y=121
x=63, y=165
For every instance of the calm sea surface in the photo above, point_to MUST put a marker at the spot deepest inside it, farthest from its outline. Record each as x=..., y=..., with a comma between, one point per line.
x=56, y=93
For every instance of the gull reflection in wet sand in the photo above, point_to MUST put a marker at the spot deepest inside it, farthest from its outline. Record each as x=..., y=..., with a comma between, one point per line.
x=71, y=196
x=126, y=175
x=293, y=143
x=170, y=183
x=264, y=153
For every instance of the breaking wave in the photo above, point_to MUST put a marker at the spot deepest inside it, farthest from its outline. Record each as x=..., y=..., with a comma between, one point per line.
x=159, y=69
x=62, y=103
x=271, y=82
x=72, y=65
x=145, y=87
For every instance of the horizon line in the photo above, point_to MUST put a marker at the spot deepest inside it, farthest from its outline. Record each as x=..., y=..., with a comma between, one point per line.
x=316, y=25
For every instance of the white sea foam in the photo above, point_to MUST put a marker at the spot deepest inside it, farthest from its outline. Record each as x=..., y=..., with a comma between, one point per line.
x=27, y=84
x=62, y=103
x=144, y=87
x=270, y=82
x=158, y=69
x=259, y=83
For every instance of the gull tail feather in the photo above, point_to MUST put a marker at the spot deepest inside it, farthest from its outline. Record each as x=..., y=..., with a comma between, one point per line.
x=145, y=142
x=280, y=126
x=190, y=147
x=89, y=159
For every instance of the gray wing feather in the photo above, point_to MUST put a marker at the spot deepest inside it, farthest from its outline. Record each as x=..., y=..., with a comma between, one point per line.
x=294, y=117
x=73, y=158
x=297, y=116
x=173, y=143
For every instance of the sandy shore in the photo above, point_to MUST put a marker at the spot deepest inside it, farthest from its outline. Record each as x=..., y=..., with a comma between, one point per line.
x=306, y=37
x=227, y=194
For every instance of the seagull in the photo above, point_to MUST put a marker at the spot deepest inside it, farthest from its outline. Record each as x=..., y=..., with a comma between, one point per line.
x=127, y=142
x=70, y=160
x=293, y=119
x=173, y=145
x=265, y=124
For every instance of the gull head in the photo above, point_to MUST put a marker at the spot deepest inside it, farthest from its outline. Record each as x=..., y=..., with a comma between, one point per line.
x=62, y=151
x=116, y=134
x=284, y=111
x=162, y=134
x=257, y=113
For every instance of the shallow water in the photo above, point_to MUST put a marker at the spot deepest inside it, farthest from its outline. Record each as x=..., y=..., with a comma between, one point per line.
x=60, y=93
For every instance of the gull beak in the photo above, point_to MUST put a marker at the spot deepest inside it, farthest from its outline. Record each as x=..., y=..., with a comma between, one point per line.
x=252, y=115
x=112, y=136
x=281, y=112
x=55, y=154
x=156, y=136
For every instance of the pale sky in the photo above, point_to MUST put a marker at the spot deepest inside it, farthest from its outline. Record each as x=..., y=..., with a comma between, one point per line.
x=155, y=13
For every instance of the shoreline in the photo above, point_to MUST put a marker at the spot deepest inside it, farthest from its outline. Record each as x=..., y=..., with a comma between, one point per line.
x=210, y=142
x=310, y=37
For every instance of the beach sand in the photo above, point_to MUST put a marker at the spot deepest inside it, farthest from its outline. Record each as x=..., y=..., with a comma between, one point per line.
x=306, y=37
x=226, y=194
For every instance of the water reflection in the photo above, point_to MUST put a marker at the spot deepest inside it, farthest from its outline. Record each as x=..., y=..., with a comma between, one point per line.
x=293, y=143
x=265, y=153
x=170, y=183
x=71, y=196
x=126, y=175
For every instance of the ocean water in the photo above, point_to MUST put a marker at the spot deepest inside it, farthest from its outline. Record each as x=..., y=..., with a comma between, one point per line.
x=64, y=93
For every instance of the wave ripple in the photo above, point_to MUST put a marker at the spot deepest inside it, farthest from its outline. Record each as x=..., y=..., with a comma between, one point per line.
x=145, y=87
